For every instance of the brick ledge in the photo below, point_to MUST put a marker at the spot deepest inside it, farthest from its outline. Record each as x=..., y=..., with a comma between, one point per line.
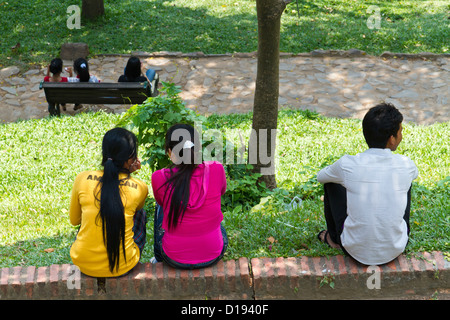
x=336, y=277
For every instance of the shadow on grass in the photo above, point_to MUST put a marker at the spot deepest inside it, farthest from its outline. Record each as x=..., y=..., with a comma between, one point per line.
x=269, y=231
x=43, y=251
x=163, y=25
x=126, y=26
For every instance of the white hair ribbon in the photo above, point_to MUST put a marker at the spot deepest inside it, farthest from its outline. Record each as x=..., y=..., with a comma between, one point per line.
x=188, y=144
x=83, y=65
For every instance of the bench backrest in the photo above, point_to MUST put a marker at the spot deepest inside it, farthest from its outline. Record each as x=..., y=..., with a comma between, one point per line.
x=96, y=93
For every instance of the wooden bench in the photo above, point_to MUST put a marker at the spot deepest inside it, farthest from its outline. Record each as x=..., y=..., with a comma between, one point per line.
x=99, y=93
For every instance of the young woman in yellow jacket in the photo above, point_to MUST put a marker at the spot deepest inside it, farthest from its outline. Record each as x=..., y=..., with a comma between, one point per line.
x=108, y=204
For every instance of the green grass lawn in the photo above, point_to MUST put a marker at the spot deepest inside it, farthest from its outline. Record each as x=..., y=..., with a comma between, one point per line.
x=224, y=26
x=40, y=159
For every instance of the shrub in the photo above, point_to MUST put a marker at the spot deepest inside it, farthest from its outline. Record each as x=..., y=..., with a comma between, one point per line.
x=156, y=115
x=153, y=118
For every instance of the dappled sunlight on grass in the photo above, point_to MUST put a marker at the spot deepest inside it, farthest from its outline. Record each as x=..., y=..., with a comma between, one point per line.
x=220, y=27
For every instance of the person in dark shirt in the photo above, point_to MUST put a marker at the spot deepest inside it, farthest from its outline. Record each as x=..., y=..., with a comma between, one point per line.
x=133, y=72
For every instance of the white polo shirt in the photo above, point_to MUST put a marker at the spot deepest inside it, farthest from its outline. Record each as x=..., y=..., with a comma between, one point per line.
x=377, y=183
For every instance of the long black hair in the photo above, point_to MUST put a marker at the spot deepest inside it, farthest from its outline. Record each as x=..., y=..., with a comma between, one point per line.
x=81, y=67
x=119, y=145
x=133, y=68
x=182, y=140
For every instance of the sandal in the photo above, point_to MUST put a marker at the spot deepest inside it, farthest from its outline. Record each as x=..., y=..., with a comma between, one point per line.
x=324, y=238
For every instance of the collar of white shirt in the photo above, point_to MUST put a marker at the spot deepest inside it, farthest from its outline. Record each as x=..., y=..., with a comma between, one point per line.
x=378, y=151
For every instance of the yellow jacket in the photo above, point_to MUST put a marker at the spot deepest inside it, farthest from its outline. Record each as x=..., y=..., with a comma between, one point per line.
x=88, y=252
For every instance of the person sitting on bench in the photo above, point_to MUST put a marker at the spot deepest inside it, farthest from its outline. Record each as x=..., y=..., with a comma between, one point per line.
x=133, y=72
x=81, y=68
x=55, y=68
x=368, y=195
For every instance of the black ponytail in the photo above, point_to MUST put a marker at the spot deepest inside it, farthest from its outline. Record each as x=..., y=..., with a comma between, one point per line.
x=119, y=145
x=133, y=68
x=179, y=181
x=81, y=67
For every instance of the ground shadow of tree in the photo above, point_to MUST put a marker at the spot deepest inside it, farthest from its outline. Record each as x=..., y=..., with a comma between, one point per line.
x=173, y=28
x=160, y=25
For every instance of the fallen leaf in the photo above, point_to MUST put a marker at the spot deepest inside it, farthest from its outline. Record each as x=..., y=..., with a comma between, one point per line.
x=271, y=239
x=48, y=250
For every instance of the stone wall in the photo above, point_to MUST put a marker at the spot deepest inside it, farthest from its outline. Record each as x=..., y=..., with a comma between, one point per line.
x=420, y=276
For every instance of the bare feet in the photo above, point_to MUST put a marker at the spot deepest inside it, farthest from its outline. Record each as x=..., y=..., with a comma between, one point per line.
x=324, y=236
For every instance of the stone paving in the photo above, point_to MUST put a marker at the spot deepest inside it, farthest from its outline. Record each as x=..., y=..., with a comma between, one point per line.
x=337, y=86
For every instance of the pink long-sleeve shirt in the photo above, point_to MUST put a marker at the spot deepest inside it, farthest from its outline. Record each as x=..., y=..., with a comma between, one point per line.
x=198, y=238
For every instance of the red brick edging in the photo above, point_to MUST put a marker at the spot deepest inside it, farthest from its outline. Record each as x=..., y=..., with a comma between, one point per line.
x=336, y=277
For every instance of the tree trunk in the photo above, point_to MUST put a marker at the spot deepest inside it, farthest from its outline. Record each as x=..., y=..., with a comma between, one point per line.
x=265, y=108
x=92, y=9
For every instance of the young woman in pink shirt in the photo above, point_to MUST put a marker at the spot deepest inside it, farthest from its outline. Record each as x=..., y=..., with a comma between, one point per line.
x=188, y=233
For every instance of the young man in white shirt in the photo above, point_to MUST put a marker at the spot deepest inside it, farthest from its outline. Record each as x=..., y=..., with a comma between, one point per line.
x=368, y=195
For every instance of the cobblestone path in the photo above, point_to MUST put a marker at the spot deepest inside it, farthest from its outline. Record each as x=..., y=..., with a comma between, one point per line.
x=336, y=86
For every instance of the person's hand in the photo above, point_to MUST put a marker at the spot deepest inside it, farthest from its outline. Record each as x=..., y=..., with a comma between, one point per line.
x=136, y=165
x=69, y=71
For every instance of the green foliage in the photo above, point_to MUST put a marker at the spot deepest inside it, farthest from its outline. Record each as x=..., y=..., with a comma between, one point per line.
x=327, y=279
x=153, y=118
x=243, y=188
x=311, y=188
x=156, y=115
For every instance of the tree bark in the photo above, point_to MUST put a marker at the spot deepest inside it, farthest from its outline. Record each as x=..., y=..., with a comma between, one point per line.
x=265, y=107
x=92, y=9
